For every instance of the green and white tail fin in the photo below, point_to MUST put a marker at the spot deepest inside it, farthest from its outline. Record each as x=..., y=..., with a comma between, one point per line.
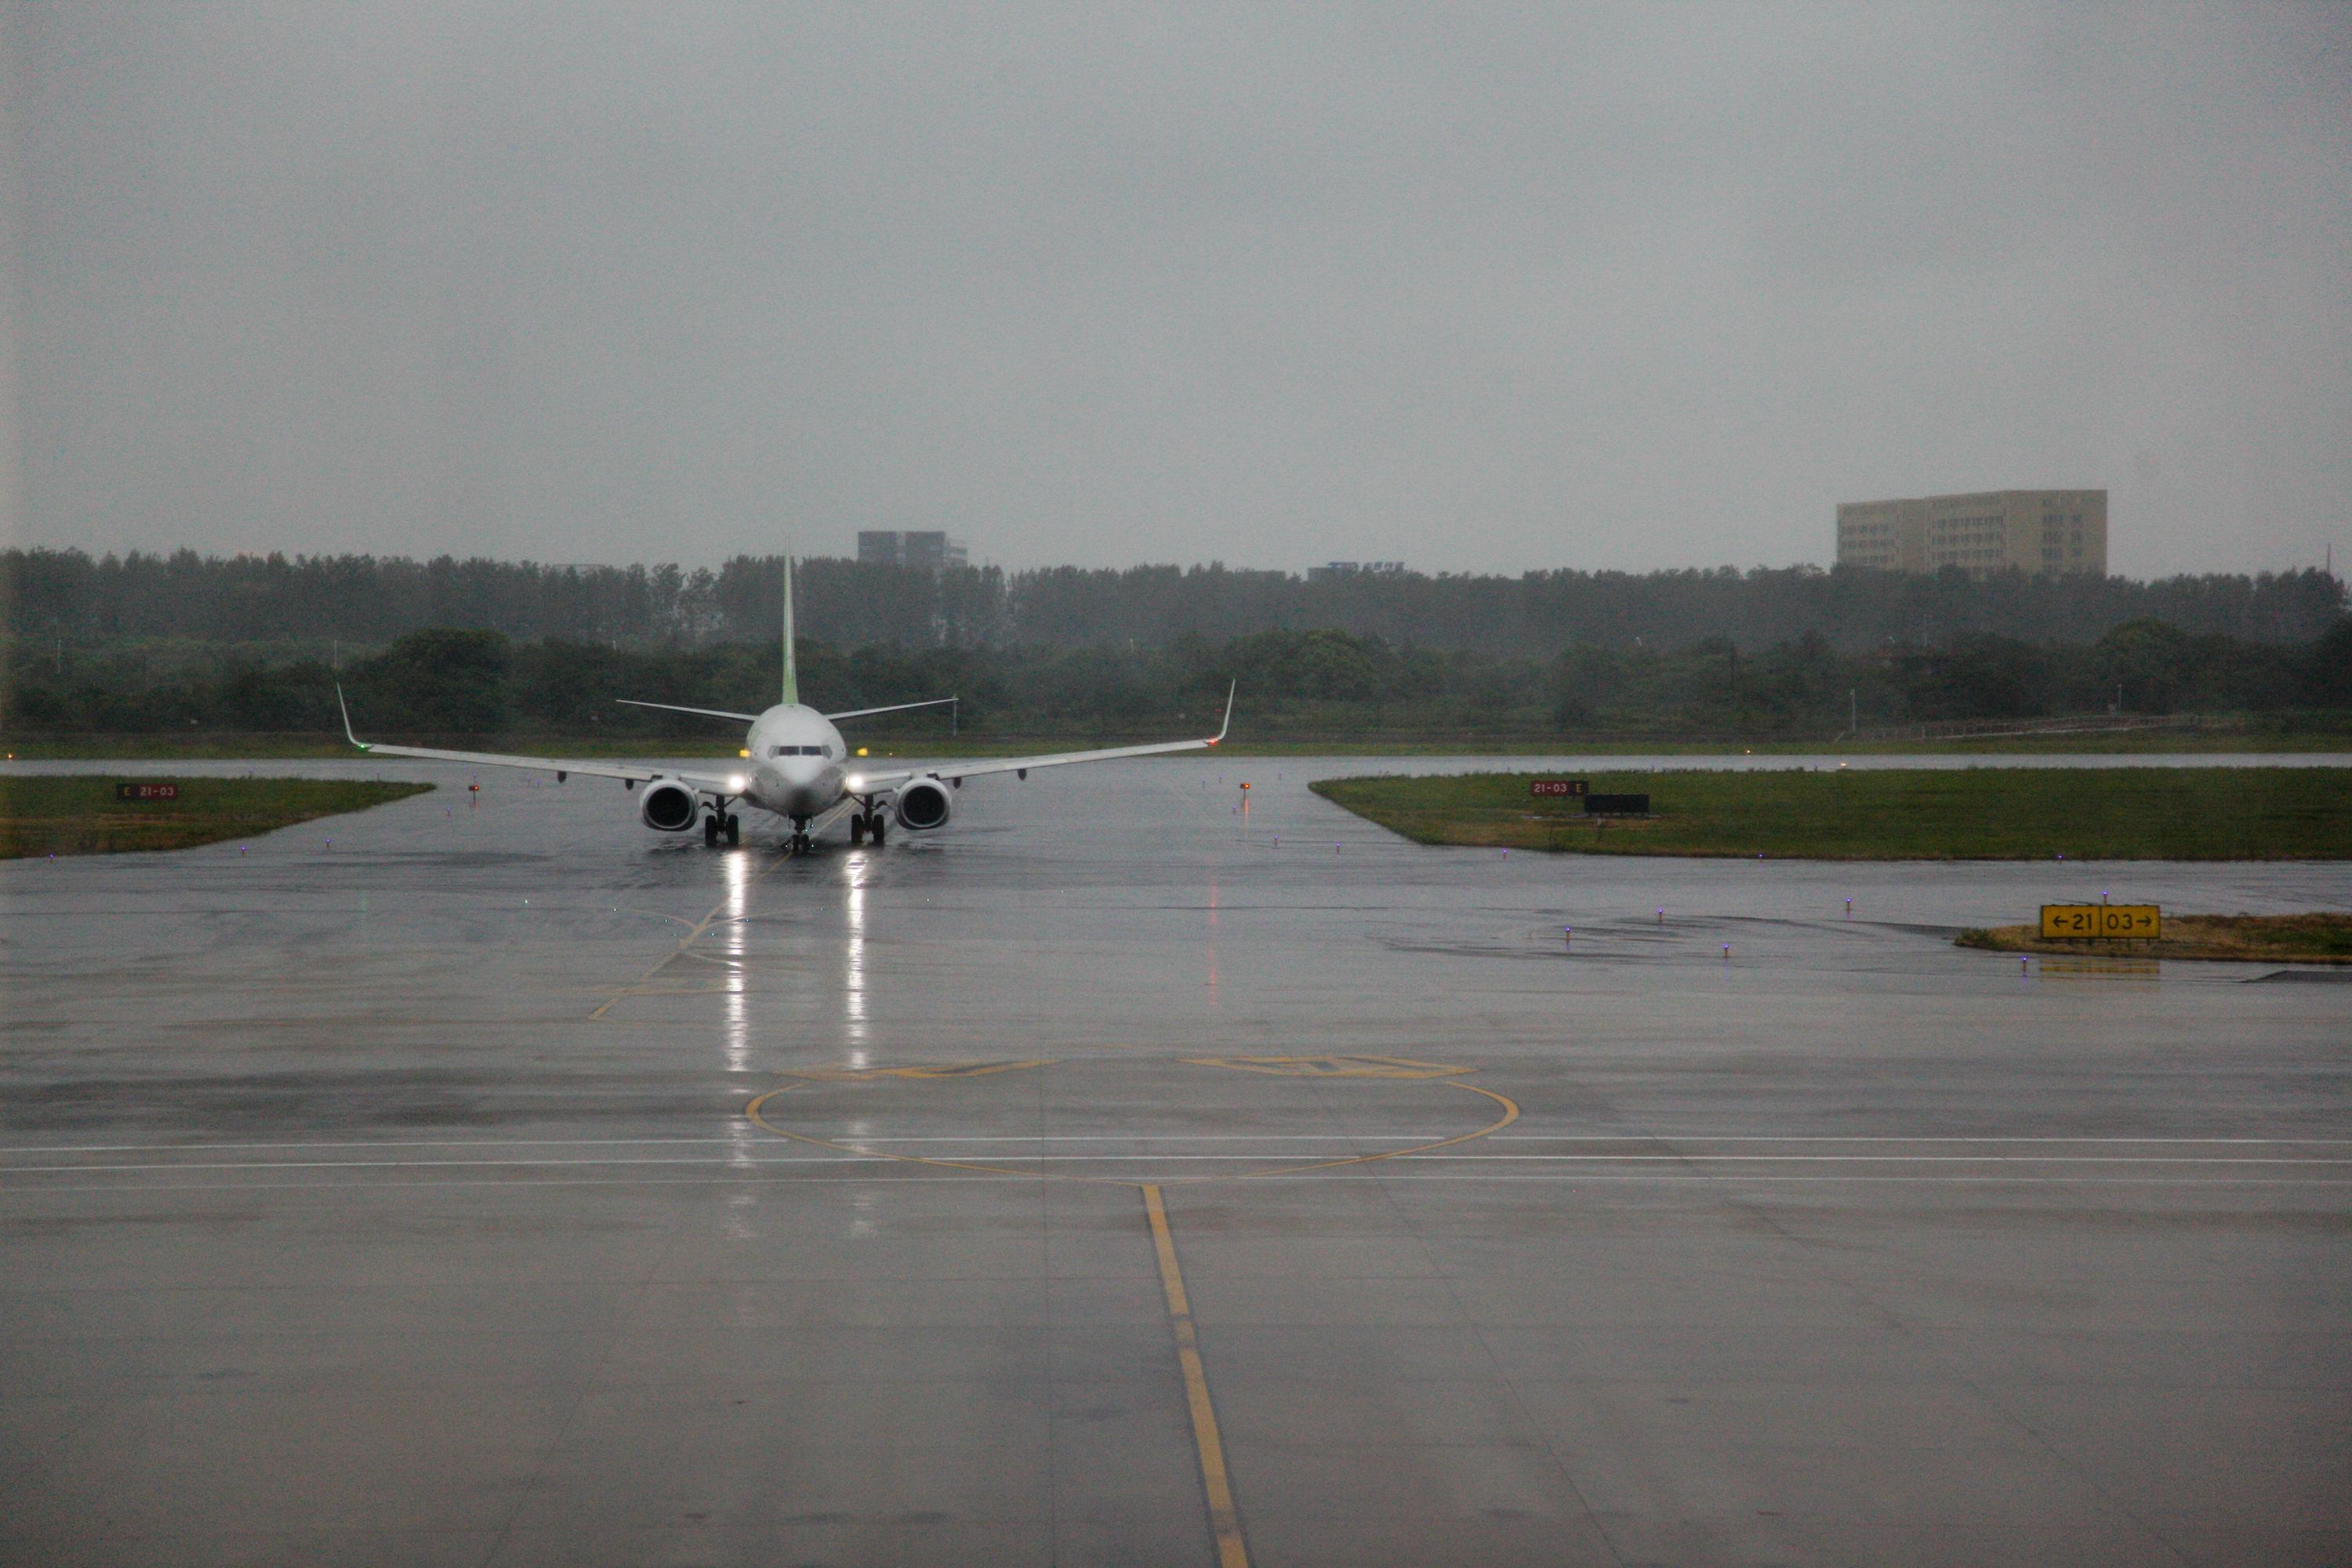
x=791, y=676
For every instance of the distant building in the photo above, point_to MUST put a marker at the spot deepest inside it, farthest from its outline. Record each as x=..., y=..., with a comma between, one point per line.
x=1350, y=568
x=2039, y=533
x=931, y=549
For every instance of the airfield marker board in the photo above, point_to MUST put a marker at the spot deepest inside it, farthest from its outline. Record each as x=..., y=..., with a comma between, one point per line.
x=2102, y=922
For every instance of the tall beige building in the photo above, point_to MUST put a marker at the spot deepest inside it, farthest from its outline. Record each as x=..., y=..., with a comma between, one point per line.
x=2038, y=533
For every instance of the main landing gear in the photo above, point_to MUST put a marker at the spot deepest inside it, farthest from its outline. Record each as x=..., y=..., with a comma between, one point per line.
x=865, y=824
x=712, y=827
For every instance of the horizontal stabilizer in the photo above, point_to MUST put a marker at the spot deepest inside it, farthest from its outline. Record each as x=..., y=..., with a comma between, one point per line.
x=673, y=708
x=896, y=708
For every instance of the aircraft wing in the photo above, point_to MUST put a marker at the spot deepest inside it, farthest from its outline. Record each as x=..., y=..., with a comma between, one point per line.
x=718, y=783
x=878, y=783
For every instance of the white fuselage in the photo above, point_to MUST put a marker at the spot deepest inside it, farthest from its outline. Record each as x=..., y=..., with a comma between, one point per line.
x=796, y=763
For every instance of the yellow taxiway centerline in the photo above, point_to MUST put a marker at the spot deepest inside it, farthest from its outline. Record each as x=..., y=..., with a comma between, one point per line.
x=1224, y=1521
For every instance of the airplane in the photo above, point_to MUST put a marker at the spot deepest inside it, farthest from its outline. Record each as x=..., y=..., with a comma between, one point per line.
x=797, y=767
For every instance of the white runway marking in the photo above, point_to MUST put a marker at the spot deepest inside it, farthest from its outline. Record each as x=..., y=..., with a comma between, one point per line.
x=620, y=1142
x=1385, y=1172
x=1401, y=1137
x=1255, y=1158
x=1860, y=1138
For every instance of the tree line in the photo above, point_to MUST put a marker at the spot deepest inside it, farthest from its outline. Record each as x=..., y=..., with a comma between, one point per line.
x=311, y=604
x=1325, y=682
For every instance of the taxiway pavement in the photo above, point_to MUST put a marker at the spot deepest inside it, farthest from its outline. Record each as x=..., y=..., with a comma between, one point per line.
x=1119, y=1178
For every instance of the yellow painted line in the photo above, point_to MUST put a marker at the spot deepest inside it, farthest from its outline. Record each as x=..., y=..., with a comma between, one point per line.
x=693, y=934
x=1331, y=1067
x=942, y=1069
x=716, y=988
x=753, y=1112
x=1510, y=1114
x=718, y=960
x=1216, y=1485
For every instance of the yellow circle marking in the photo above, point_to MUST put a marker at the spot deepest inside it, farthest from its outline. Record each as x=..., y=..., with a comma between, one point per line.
x=755, y=1113
x=1331, y=1067
x=940, y=1069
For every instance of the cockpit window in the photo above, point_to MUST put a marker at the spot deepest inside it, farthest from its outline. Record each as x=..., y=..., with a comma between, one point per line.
x=798, y=751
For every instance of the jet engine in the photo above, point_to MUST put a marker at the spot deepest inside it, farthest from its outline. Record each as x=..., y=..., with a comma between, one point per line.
x=669, y=806
x=922, y=805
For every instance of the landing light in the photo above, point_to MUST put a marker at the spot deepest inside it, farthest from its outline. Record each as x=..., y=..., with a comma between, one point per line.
x=735, y=783
x=854, y=782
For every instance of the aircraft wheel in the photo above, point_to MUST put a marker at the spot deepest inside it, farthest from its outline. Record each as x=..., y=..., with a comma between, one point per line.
x=734, y=829
x=877, y=830
x=857, y=831
x=710, y=830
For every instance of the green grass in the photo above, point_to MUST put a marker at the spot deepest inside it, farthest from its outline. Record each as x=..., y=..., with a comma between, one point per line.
x=1989, y=814
x=229, y=745
x=77, y=813
x=2238, y=939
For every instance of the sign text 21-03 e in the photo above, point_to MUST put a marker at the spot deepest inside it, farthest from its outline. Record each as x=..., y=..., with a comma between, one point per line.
x=2110, y=922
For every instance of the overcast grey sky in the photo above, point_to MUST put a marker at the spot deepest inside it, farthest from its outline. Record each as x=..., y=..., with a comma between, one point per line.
x=1480, y=290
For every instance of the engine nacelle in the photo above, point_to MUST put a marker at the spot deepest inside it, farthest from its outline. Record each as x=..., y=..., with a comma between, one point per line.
x=669, y=806
x=923, y=805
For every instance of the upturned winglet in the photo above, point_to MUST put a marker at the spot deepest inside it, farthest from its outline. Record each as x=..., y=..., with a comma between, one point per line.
x=1228, y=724
x=346, y=708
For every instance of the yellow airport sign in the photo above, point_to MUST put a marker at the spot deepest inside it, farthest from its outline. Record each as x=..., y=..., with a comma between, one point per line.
x=2102, y=921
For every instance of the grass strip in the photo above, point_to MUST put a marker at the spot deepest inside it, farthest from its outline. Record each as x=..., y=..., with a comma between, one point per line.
x=2243, y=938
x=59, y=814
x=1246, y=742
x=1891, y=814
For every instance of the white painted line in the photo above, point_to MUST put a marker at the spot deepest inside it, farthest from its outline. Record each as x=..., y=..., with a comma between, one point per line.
x=1173, y=1138
x=1382, y=1172
x=347, y=1144
x=723, y=1141
x=854, y=1156
x=1891, y=1159
x=1880, y=1137
x=1401, y=1137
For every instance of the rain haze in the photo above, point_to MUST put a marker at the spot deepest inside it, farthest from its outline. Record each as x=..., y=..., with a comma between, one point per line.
x=1474, y=290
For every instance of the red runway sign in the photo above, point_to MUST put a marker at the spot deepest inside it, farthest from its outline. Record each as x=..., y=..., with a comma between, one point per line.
x=146, y=792
x=1560, y=786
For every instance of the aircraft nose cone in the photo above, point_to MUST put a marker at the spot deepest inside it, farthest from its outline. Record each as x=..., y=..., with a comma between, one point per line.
x=807, y=791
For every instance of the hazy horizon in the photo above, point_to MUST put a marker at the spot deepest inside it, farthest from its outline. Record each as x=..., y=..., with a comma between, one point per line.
x=1480, y=290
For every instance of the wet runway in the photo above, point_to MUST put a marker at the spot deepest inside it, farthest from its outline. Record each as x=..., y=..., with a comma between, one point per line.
x=1116, y=1177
